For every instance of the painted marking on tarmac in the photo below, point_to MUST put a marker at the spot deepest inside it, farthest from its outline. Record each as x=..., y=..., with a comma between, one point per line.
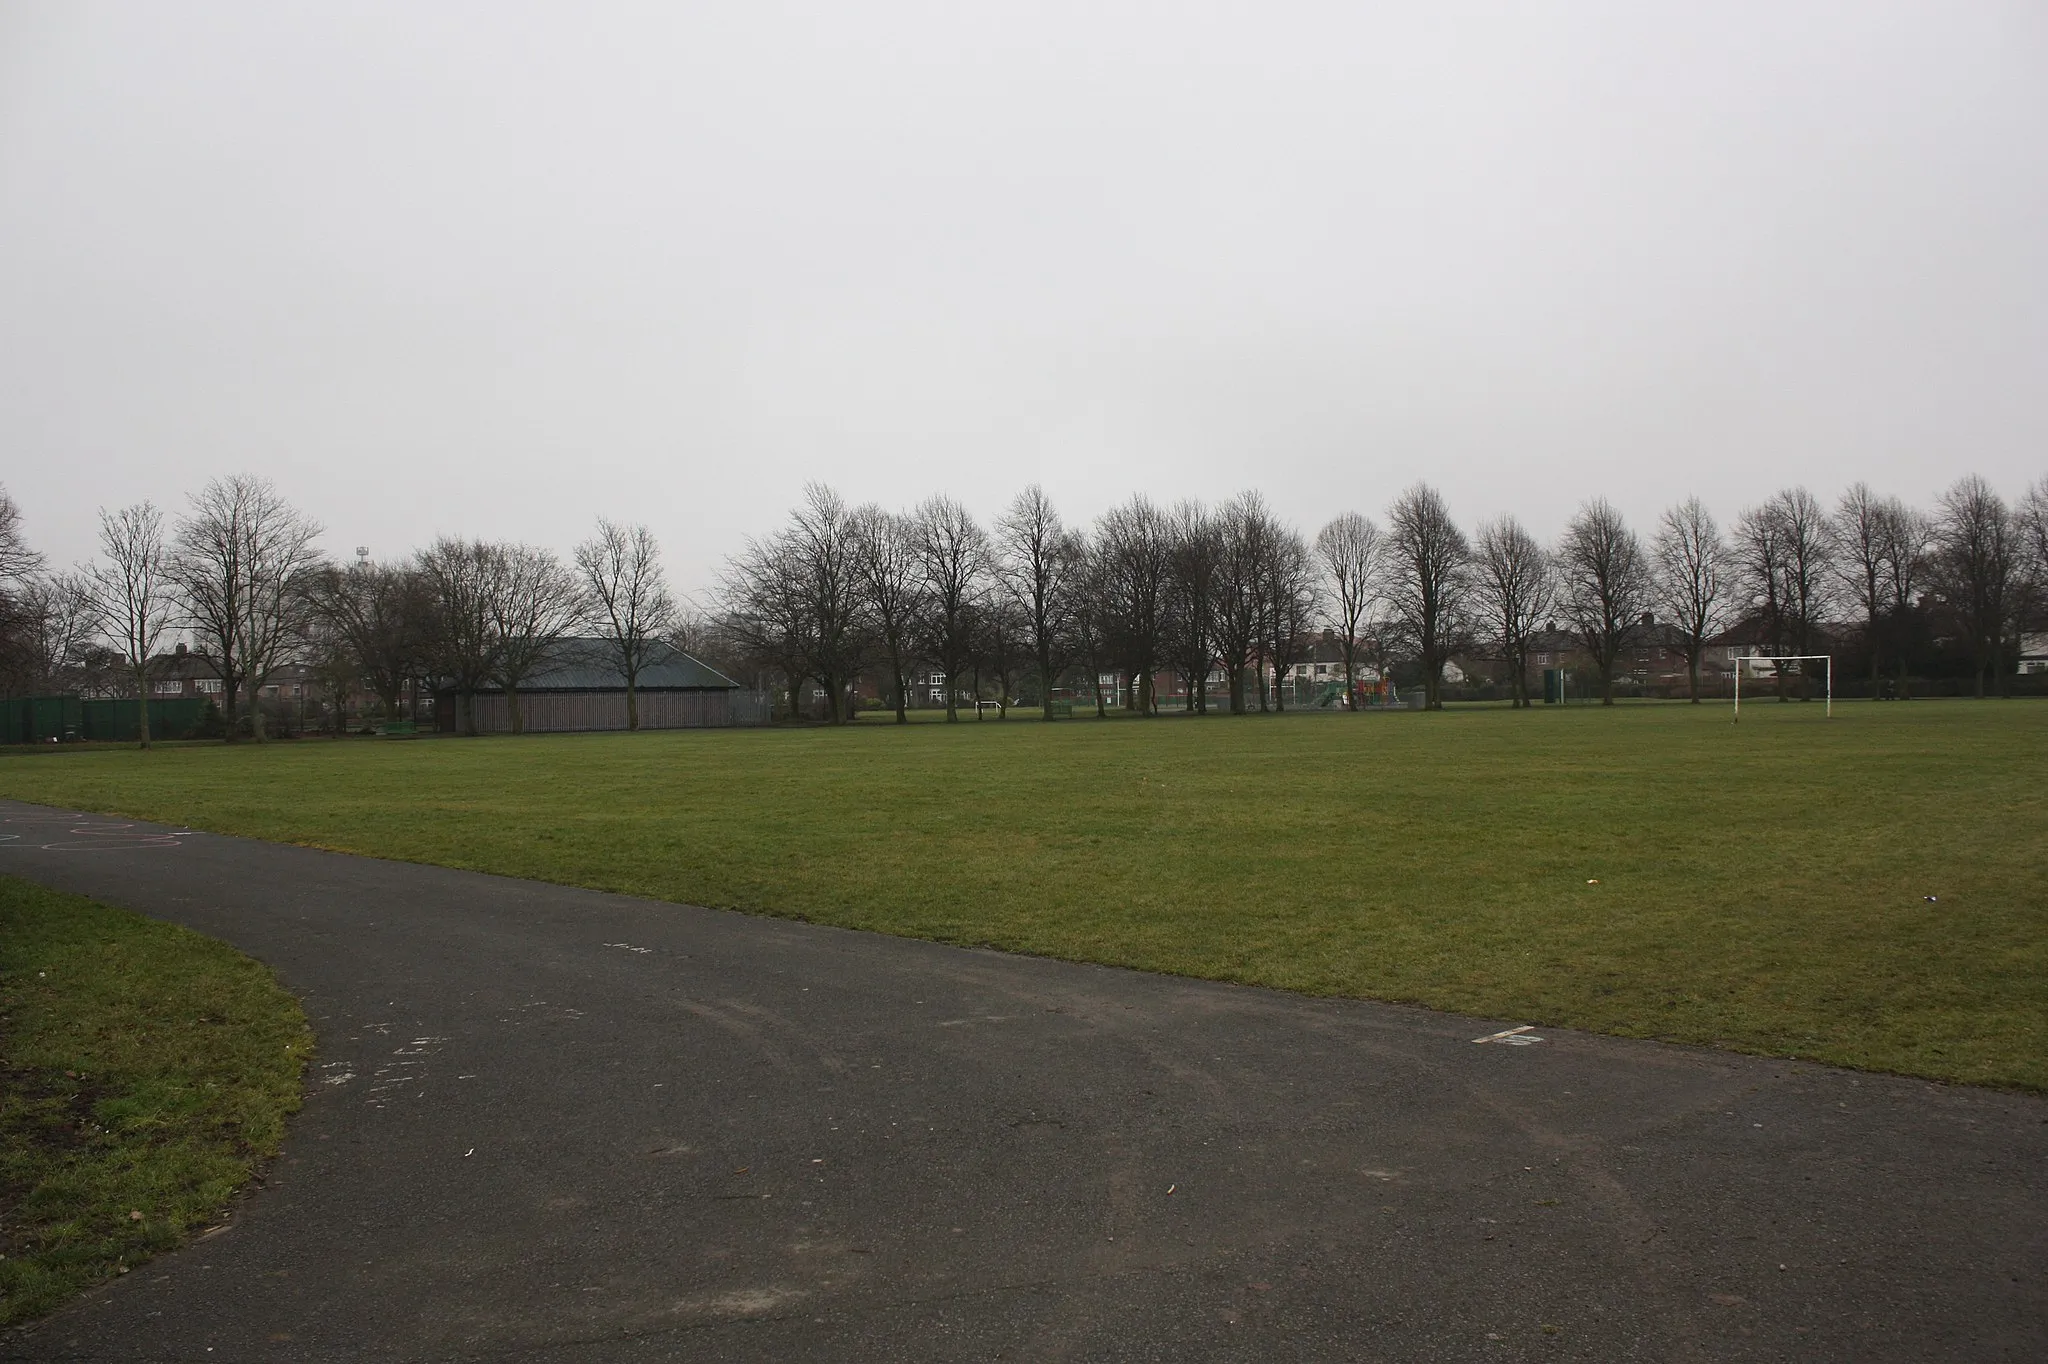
x=629, y=947
x=88, y=835
x=1512, y=1037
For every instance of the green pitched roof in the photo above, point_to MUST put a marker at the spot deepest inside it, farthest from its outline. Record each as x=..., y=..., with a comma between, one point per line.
x=591, y=665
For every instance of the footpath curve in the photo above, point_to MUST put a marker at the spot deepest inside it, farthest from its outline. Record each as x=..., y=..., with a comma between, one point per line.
x=548, y=1124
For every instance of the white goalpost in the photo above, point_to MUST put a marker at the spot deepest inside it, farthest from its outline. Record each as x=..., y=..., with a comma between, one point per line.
x=1772, y=665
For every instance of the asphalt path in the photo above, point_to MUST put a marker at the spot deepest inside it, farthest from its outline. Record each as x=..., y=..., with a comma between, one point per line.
x=555, y=1125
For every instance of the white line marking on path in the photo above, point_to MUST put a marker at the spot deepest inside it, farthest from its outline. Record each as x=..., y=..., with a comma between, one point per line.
x=1511, y=1037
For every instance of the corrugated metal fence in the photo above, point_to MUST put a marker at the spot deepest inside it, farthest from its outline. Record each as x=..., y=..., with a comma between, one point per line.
x=557, y=712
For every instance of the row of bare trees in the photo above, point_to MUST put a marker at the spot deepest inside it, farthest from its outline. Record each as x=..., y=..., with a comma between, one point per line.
x=240, y=573
x=1185, y=589
x=1233, y=591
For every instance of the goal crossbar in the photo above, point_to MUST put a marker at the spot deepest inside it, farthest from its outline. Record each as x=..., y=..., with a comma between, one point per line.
x=1775, y=660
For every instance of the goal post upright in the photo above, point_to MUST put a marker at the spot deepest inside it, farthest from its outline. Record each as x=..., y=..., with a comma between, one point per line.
x=1775, y=660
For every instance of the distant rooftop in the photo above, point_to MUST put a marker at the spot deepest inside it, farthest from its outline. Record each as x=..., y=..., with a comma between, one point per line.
x=590, y=665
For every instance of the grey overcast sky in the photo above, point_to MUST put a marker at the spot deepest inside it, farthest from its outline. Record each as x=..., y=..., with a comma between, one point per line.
x=495, y=269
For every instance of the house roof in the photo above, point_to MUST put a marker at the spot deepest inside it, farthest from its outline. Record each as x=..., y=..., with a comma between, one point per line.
x=588, y=665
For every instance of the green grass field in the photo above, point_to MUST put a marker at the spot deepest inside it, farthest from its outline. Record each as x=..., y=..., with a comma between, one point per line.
x=1650, y=870
x=144, y=1070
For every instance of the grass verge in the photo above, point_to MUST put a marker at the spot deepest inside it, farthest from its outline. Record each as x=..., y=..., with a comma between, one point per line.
x=1649, y=871
x=144, y=1071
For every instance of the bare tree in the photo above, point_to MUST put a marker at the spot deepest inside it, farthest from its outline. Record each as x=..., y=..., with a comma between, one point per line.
x=130, y=593
x=886, y=561
x=1759, y=559
x=2032, y=514
x=1134, y=542
x=241, y=562
x=1907, y=536
x=1003, y=629
x=458, y=581
x=827, y=544
x=50, y=625
x=1805, y=539
x=1605, y=586
x=1977, y=566
x=1861, y=533
x=1244, y=528
x=1093, y=620
x=1292, y=602
x=1513, y=588
x=1038, y=562
x=1688, y=579
x=19, y=616
x=767, y=614
x=2034, y=527
x=532, y=602
x=953, y=556
x=1350, y=548
x=17, y=560
x=625, y=594
x=378, y=616
x=1188, y=642
x=1428, y=579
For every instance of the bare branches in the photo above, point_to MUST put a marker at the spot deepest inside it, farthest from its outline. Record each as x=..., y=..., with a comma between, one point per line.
x=1133, y=543
x=1193, y=563
x=380, y=616
x=1689, y=571
x=1244, y=530
x=1350, y=548
x=1038, y=561
x=954, y=561
x=17, y=560
x=130, y=592
x=1514, y=589
x=241, y=561
x=1605, y=586
x=890, y=572
x=625, y=594
x=531, y=602
x=796, y=599
x=1428, y=582
x=1288, y=585
x=1978, y=564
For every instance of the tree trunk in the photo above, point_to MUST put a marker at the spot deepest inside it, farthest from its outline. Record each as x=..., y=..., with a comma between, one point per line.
x=632, y=700
x=512, y=704
x=256, y=714
x=902, y=700
x=796, y=691
x=1692, y=667
x=142, y=718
